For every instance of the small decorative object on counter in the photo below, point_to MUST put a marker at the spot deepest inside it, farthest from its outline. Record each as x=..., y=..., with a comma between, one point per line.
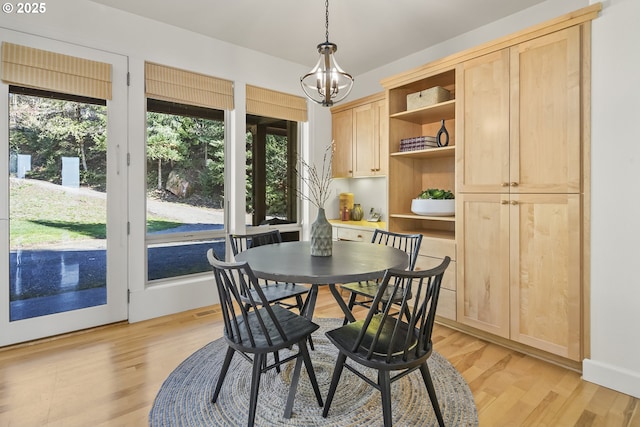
x=344, y=215
x=346, y=201
x=443, y=130
x=357, y=213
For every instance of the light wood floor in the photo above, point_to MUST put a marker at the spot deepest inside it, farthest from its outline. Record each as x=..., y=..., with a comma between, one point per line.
x=109, y=377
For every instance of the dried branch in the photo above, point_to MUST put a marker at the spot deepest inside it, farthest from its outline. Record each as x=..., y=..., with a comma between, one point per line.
x=318, y=181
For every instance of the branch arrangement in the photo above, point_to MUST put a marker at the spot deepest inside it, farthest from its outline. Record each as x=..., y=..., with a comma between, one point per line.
x=317, y=181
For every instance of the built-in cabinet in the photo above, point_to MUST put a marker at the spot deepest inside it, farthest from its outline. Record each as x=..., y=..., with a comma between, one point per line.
x=519, y=193
x=410, y=172
x=359, y=131
x=517, y=162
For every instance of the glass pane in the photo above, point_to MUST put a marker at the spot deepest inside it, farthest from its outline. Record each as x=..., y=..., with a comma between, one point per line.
x=168, y=260
x=57, y=204
x=271, y=146
x=185, y=187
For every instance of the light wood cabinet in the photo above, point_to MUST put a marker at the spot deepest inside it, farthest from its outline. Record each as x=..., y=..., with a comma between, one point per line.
x=519, y=221
x=519, y=161
x=519, y=268
x=342, y=134
x=520, y=121
x=359, y=131
x=411, y=172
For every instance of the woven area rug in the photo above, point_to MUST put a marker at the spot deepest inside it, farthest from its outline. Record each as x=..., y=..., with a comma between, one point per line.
x=185, y=397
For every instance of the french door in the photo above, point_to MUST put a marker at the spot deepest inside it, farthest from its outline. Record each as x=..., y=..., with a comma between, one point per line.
x=63, y=204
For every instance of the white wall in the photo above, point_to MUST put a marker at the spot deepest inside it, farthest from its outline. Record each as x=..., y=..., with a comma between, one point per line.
x=615, y=207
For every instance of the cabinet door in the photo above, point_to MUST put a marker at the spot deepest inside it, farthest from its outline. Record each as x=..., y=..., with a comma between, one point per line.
x=482, y=117
x=342, y=132
x=482, y=224
x=365, y=140
x=546, y=272
x=546, y=115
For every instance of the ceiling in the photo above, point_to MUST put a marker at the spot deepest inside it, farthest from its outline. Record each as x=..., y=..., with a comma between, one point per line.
x=369, y=33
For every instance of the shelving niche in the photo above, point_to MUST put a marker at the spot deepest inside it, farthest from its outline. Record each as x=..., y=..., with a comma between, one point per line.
x=410, y=172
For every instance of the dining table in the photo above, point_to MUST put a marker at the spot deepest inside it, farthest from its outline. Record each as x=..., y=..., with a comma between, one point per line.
x=349, y=262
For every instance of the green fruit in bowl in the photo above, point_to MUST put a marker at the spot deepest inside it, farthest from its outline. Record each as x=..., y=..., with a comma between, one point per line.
x=435, y=193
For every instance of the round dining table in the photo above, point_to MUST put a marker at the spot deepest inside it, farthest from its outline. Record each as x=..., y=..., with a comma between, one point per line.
x=350, y=262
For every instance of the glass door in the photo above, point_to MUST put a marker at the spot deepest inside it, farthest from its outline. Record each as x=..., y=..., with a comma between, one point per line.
x=63, y=225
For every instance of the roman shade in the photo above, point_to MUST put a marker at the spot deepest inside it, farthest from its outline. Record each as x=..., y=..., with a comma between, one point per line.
x=186, y=87
x=40, y=69
x=269, y=103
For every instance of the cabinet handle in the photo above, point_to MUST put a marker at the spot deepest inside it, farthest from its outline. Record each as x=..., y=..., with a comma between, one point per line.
x=373, y=169
x=513, y=202
x=514, y=184
x=504, y=202
x=505, y=184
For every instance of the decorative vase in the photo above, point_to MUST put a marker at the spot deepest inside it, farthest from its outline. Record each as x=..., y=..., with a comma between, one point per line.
x=441, y=132
x=321, y=236
x=357, y=213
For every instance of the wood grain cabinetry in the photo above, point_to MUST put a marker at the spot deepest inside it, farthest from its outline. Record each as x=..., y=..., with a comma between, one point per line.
x=519, y=180
x=359, y=130
x=410, y=172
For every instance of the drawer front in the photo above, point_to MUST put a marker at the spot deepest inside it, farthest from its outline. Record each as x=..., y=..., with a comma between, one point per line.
x=438, y=248
x=447, y=304
x=353, y=234
x=449, y=278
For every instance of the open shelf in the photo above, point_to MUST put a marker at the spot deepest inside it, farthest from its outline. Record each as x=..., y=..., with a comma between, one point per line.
x=424, y=217
x=428, y=153
x=432, y=113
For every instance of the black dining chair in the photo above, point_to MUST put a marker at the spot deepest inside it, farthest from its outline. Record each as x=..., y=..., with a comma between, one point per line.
x=275, y=292
x=254, y=327
x=363, y=293
x=389, y=343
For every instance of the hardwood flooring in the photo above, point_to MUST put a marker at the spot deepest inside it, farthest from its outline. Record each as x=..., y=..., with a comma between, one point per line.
x=109, y=376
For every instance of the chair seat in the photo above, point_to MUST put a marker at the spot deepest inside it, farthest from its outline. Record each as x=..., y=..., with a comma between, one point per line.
x=278, y=291
x=295, y=328
x=370, y=289
x=345, y=336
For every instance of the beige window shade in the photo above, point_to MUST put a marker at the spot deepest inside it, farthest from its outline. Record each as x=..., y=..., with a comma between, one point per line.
x=41, y=69
x=269, y=103
x=185, y=87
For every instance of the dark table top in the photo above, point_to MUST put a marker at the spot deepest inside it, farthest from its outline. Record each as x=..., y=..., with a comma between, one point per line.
x=350, y=262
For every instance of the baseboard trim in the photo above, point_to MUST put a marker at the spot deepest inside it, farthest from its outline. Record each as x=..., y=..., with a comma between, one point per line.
x=613, y=377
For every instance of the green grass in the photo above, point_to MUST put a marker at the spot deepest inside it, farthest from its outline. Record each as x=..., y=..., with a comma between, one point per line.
x=41, y=215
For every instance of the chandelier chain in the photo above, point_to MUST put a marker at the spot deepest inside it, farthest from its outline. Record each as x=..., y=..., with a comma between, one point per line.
x=326, y=24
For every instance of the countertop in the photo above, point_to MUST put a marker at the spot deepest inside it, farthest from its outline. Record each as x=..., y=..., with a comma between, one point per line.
x=359, y=224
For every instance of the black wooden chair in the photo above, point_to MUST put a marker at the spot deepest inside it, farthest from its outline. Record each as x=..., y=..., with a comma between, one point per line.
x=275, y=292
x=363, y=293
x=392, y=343
x=258, y=329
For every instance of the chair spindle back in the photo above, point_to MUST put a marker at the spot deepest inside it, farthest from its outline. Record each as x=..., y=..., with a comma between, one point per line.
x=245, y=310
x=409, y=243
x=414, y=321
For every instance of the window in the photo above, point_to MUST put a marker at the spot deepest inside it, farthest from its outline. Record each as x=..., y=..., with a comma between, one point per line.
x=271, y=154
x=185, y=188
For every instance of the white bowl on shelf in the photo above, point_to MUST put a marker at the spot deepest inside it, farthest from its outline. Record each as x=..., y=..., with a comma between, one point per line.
x=433, y=207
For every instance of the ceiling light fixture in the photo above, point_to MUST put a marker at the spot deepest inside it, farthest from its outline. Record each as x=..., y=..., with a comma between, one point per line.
x=327, y=83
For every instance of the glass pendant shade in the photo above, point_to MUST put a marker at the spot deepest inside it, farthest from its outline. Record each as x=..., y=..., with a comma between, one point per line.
x=326, y=83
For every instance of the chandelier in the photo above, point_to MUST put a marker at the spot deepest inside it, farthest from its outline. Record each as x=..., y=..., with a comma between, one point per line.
x=327, y=83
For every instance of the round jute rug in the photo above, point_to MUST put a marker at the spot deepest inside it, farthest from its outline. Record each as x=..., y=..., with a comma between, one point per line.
x=185, y=397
